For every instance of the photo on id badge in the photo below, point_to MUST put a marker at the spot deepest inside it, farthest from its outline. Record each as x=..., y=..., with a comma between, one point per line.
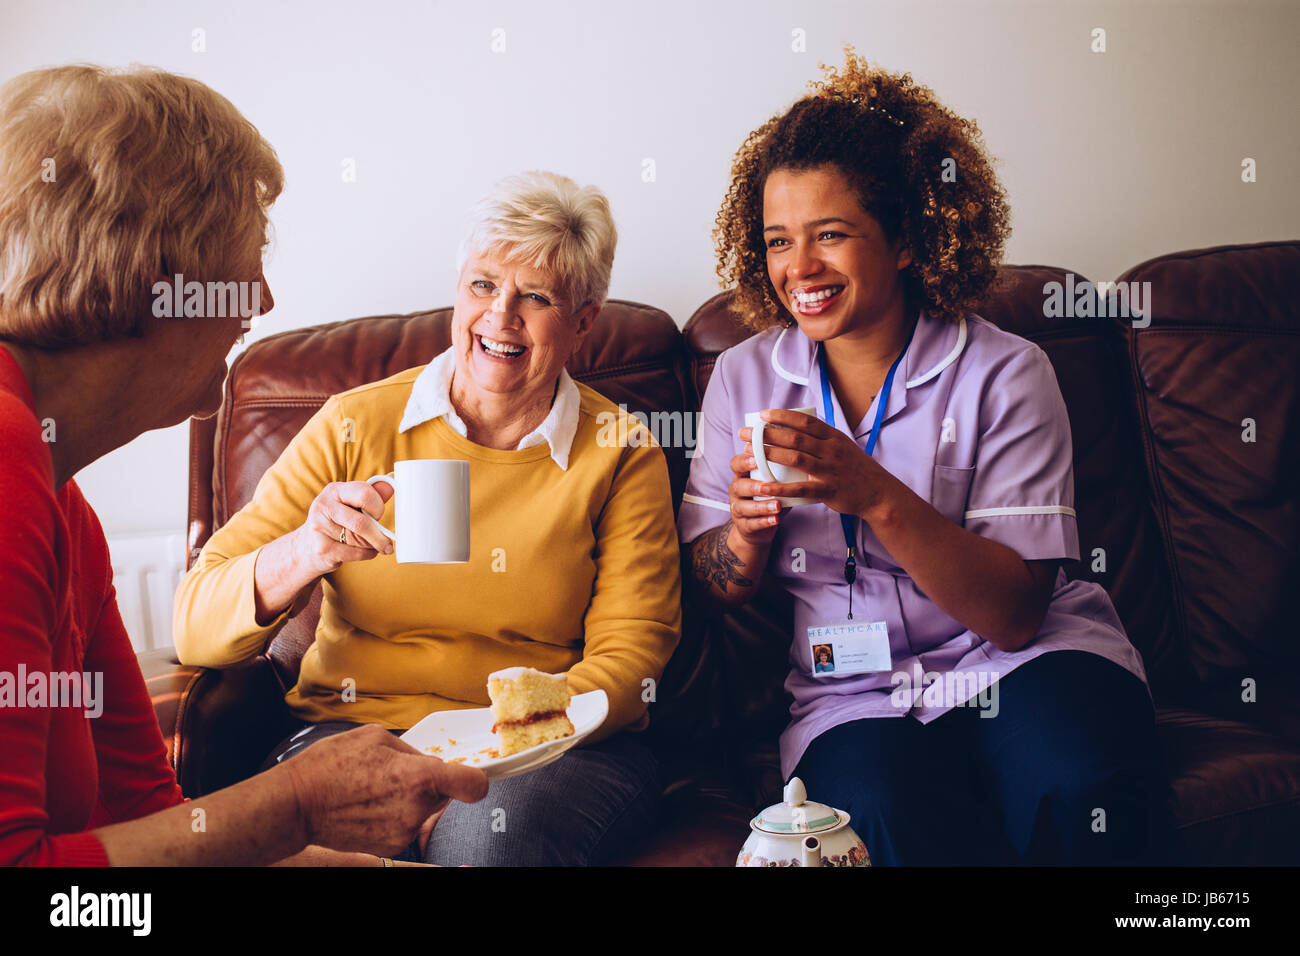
x=841, y=648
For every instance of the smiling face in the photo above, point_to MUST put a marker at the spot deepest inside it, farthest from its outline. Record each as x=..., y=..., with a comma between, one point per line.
x=829, y=261
x=513, y=328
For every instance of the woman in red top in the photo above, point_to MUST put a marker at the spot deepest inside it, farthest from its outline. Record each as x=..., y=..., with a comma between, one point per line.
x=110, y=183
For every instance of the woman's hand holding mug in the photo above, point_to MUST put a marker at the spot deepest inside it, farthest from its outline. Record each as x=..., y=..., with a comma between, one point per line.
x=822, y=464
x=758, y=476
x=731, y=557
x=753, y=521
x=342, y=525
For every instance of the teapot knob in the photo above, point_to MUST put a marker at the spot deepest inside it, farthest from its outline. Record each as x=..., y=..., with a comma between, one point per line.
x=794, y=793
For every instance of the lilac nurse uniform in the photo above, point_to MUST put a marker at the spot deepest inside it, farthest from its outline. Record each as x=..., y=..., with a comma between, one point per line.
x=975, y=424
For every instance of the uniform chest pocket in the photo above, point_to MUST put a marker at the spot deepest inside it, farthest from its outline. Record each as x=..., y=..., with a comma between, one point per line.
x=950, y=490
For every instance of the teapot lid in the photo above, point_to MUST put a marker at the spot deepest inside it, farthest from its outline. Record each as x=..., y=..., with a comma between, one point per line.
x=797, y=814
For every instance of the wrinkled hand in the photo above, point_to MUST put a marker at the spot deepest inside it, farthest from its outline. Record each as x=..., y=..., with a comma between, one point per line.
x=349, y=508
x=841, y=475
x=367, y=791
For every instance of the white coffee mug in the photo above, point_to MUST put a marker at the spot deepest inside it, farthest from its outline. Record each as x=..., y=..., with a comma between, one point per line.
x=431, y=507
x=775, y=471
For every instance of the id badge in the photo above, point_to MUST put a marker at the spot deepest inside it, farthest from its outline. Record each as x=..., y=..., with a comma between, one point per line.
x=849, y=647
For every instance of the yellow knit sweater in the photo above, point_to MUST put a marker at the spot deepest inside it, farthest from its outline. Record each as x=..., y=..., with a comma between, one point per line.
x=570, y=571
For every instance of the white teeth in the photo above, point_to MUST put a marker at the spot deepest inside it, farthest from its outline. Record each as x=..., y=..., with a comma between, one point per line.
x=501, y=348
x=811, y=298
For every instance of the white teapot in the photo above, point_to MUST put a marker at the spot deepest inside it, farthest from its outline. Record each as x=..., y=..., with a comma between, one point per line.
x=800, y=833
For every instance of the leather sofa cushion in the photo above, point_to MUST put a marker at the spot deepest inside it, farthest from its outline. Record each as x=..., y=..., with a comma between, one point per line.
x=1234, y=791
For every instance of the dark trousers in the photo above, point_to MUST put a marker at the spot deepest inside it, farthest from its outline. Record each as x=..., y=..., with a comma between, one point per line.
x=1066, y=773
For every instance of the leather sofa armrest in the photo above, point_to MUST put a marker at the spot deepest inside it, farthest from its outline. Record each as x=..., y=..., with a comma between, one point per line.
x=218, y=724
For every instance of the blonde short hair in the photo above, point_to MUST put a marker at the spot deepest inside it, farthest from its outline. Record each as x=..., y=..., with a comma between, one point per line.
x=113, y=180
x=550, y=223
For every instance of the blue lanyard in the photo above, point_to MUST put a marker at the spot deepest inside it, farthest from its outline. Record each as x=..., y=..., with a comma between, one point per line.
x=850, y=522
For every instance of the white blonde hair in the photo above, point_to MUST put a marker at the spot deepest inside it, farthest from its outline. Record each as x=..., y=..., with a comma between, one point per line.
x=550, y=223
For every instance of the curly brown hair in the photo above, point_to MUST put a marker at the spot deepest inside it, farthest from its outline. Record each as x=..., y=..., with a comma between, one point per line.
x=891, y=139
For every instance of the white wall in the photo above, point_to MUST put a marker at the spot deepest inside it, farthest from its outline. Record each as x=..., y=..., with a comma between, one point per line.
x=1109, y=158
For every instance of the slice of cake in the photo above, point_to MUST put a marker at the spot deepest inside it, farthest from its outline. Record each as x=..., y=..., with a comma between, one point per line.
x=529, y=707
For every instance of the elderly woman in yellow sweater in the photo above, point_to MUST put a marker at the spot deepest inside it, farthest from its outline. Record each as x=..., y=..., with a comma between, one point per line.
x=590, y=585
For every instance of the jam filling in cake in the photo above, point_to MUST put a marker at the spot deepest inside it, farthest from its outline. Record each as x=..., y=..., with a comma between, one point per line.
x=529, y=707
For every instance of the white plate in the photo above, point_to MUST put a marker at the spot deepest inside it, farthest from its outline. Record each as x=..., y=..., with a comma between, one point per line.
x=465, y=736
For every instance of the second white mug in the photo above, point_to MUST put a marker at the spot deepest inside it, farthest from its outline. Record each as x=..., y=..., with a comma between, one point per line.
x=431, y=508
x=771, y=470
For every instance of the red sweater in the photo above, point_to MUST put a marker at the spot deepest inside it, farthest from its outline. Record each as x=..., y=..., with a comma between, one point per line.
x=63, y=773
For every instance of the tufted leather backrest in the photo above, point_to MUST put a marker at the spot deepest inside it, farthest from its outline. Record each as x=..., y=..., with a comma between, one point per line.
x=632, y=355
x=1217, y=374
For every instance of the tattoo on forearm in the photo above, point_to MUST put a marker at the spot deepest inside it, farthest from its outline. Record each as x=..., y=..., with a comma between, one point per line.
x=715, y=563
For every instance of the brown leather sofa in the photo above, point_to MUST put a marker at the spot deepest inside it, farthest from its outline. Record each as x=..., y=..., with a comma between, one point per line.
x=1192, y=529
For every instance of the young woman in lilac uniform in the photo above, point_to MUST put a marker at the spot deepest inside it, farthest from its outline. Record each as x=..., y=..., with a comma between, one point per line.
x=983, y=708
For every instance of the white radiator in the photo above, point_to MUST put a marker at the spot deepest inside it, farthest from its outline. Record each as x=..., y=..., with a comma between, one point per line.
x=146, y=570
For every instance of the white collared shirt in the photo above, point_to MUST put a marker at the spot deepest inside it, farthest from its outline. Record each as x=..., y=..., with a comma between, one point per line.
x=431, y=398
